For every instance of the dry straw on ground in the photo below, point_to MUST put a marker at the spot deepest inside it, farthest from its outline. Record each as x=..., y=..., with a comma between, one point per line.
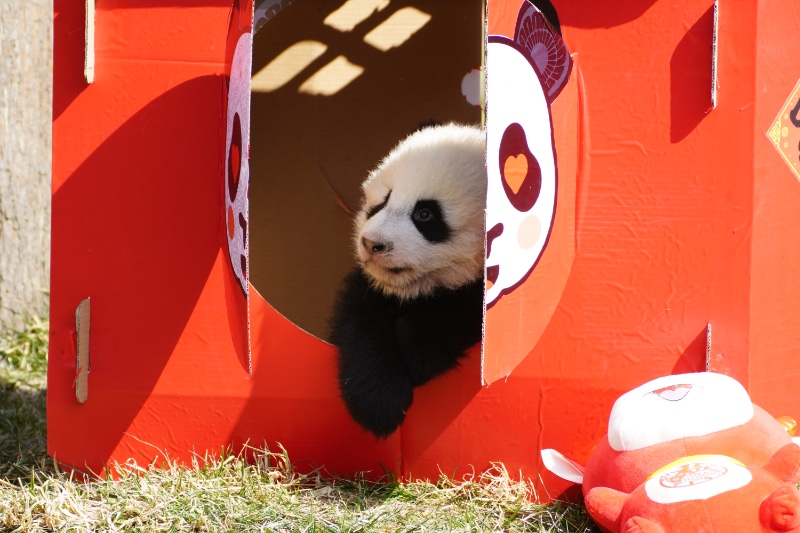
x=227, y=492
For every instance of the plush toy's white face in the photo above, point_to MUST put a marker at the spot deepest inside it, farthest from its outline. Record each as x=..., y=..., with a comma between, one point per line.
x=421, y=222
x=520, y=158
x=675, y=407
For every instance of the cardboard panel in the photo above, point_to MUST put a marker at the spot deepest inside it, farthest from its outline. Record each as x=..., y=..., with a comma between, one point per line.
x=666, y=224
x=775, y=331
x=532, y=121
x=137, y=204
x=140, y=203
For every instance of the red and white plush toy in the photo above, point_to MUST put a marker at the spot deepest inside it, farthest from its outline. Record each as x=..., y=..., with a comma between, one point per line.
x=690, y=453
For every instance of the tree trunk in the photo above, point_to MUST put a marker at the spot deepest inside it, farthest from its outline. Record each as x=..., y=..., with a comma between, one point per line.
x=25, y=142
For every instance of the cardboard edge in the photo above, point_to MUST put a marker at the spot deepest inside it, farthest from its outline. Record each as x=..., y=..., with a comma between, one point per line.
x=83, y=361
x=88, y=59
x=714, y=62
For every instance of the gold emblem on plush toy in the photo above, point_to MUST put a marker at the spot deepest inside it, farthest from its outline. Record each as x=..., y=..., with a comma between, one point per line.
x=692, y=474
x=789, y=424
x=696, y=477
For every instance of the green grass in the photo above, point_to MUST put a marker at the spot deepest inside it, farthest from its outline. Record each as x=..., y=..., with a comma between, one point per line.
x=25, y=351
x=229, y=493
x=23, y=428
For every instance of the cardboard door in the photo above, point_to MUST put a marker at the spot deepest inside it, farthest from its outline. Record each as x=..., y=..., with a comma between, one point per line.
x=531, y=158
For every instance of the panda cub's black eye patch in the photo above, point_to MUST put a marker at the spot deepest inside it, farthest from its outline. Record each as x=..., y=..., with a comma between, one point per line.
x=429, y=220
x=376, y=208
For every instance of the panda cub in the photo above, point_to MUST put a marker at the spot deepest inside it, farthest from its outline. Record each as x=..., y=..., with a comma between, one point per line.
x=414, y=303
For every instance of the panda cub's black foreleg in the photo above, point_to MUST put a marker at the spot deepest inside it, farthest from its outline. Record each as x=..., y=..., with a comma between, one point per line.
x=434, y=331
x=388, y=347
x=373, y=378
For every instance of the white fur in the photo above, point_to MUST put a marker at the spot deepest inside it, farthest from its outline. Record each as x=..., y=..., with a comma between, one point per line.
x=446, y=163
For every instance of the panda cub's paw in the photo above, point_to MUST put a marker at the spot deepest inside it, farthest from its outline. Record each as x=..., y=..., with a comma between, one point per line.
x=381, y=408
x=373, y=379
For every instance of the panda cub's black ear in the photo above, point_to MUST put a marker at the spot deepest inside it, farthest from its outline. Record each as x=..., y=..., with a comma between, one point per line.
x=430, y=123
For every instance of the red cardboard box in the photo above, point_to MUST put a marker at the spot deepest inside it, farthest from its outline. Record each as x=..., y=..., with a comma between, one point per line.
x=669, y=216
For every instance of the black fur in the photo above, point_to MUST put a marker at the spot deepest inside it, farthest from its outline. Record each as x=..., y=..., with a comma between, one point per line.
x=388, y=346
x=429, y=220
x=430, y=123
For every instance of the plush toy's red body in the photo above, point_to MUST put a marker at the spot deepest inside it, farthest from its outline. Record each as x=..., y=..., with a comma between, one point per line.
x=706, y=494
x=732, y=464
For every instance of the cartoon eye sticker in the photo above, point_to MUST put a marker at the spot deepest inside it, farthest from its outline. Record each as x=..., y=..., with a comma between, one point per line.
x=520, y=173
x=237, y=169
x=525, y=75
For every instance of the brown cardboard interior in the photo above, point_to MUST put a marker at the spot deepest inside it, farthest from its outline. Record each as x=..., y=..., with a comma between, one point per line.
x=330, y=104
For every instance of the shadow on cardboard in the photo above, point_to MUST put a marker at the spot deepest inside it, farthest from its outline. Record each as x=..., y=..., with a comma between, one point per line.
x=690, y=78
x=693, y=358
x=137, y=229
x=601, y=14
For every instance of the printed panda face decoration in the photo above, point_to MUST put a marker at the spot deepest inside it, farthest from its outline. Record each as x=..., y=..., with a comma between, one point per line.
x=521, y=168
x=237, y=170
x=526, y=74
x=421, y=223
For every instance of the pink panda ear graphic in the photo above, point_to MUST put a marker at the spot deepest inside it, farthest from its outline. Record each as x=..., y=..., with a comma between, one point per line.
x=541, y=40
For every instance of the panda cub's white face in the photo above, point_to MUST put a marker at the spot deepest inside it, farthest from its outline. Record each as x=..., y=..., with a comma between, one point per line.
x=421, y=223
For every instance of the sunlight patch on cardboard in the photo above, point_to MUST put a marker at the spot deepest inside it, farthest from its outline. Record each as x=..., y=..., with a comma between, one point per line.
x=352, y=13
x=286, y=66
x=332, y=78
x=397, y=29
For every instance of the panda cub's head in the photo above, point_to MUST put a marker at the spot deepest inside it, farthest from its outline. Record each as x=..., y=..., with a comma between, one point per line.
x=420, y=226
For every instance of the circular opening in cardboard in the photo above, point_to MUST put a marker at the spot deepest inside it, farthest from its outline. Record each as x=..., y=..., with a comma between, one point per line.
x=334, y=89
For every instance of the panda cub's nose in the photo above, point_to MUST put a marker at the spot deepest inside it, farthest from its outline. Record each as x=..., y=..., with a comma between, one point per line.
x=374, y=247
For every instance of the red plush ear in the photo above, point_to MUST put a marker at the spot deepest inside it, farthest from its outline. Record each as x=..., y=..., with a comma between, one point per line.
x=637, y=524
x=605, y=506
x=781, y=509
x=785, y=464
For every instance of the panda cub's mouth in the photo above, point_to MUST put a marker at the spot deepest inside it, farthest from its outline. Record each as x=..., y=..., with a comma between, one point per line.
x=390, y=274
